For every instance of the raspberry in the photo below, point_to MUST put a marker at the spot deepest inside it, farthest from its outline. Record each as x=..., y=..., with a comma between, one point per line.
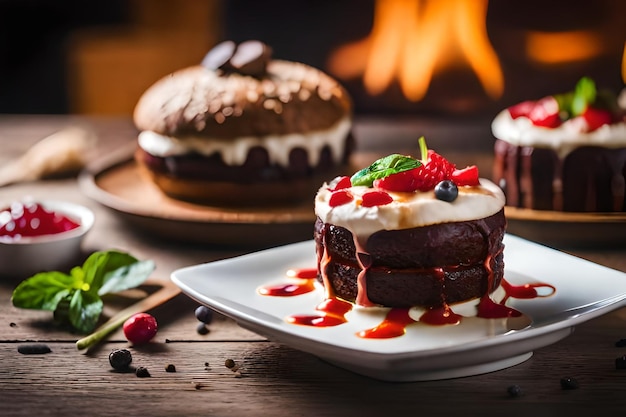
x=376, y=198
x=432, y=172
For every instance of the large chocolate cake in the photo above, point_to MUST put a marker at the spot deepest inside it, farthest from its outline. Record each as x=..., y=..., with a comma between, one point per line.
x=410, y=233
x=418, y=266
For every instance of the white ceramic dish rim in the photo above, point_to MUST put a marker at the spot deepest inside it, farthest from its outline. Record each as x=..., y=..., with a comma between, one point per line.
x=543, y=331
x=74, y=211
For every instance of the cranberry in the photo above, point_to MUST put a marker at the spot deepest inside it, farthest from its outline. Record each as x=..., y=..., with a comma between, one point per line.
x=32, y=219
x=140, y=328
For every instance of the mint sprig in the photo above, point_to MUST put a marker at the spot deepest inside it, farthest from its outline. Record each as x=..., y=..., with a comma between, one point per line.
x=574, y=103
x=75, y=298
x=384, y=167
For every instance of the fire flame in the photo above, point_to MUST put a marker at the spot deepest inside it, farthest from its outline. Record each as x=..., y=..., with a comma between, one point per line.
x=411, y=38
x=563, y=47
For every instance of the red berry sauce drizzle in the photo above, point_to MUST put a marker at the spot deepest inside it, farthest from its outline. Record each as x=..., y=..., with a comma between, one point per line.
x=333, y=310
x=32, y=219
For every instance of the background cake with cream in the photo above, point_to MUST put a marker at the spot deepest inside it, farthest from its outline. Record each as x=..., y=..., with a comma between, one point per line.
x=565, y=152
x=410, y=232
x=244, y=129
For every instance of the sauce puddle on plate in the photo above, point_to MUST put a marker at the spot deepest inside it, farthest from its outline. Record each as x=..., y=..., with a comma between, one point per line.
x=332, y=311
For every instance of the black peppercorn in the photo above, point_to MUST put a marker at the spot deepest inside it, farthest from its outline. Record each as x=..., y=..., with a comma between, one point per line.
x=229, y=363
x=120, y=359
x=514, y=391
x=202, y=329
x=142, y=372
x=170, y=368
x=34, y=349
x=620, y=363
x=569, y=383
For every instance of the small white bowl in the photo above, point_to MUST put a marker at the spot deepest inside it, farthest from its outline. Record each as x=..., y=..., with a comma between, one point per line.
x=27, y=256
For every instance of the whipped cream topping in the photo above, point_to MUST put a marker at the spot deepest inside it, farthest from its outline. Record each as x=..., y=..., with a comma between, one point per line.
x=235, y=151
x=408, y=210
x=562, y=139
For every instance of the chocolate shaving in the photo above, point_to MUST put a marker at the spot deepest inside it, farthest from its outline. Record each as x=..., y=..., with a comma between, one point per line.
x=219, y=56
x=247, y=58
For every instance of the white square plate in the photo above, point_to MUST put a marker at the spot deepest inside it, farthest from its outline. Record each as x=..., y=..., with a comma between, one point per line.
x=584, y=290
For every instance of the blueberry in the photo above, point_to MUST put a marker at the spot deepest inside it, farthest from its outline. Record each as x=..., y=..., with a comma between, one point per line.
x=120, y=359
x=204, y=314
x=446, y=190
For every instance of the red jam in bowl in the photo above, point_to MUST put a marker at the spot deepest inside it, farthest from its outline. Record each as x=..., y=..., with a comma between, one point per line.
x=32, y=219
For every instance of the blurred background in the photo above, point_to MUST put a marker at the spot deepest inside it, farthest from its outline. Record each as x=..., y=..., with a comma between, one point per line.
x=461, y=58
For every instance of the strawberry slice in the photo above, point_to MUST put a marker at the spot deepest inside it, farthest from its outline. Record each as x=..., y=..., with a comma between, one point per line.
x=466, y=176
x=340, y=183
x=376, y=198
x=521, y=109
x=597, y=117
x=339, y=198
x=400, y=182
x=545, y=113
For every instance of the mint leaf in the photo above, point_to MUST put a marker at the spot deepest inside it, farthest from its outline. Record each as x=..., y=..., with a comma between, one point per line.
x=383, y=167
x=126, y=277
x=42, y=291
x=85, y=310
x=100, y=263
x=75, y=298
x=584, y=95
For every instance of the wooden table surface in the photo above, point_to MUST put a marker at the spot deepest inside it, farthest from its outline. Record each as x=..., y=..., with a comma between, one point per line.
x=272, y=379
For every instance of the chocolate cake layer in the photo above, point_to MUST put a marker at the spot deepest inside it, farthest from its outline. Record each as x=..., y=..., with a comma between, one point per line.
x=425, y=266
x=588, y=179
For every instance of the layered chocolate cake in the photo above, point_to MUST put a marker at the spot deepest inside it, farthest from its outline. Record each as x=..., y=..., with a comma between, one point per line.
x=410, y=232
x=565, y=152
x=244, y=129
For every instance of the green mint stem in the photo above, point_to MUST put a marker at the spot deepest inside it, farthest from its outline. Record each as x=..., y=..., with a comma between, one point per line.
x=103, y=331
x=423, y=148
